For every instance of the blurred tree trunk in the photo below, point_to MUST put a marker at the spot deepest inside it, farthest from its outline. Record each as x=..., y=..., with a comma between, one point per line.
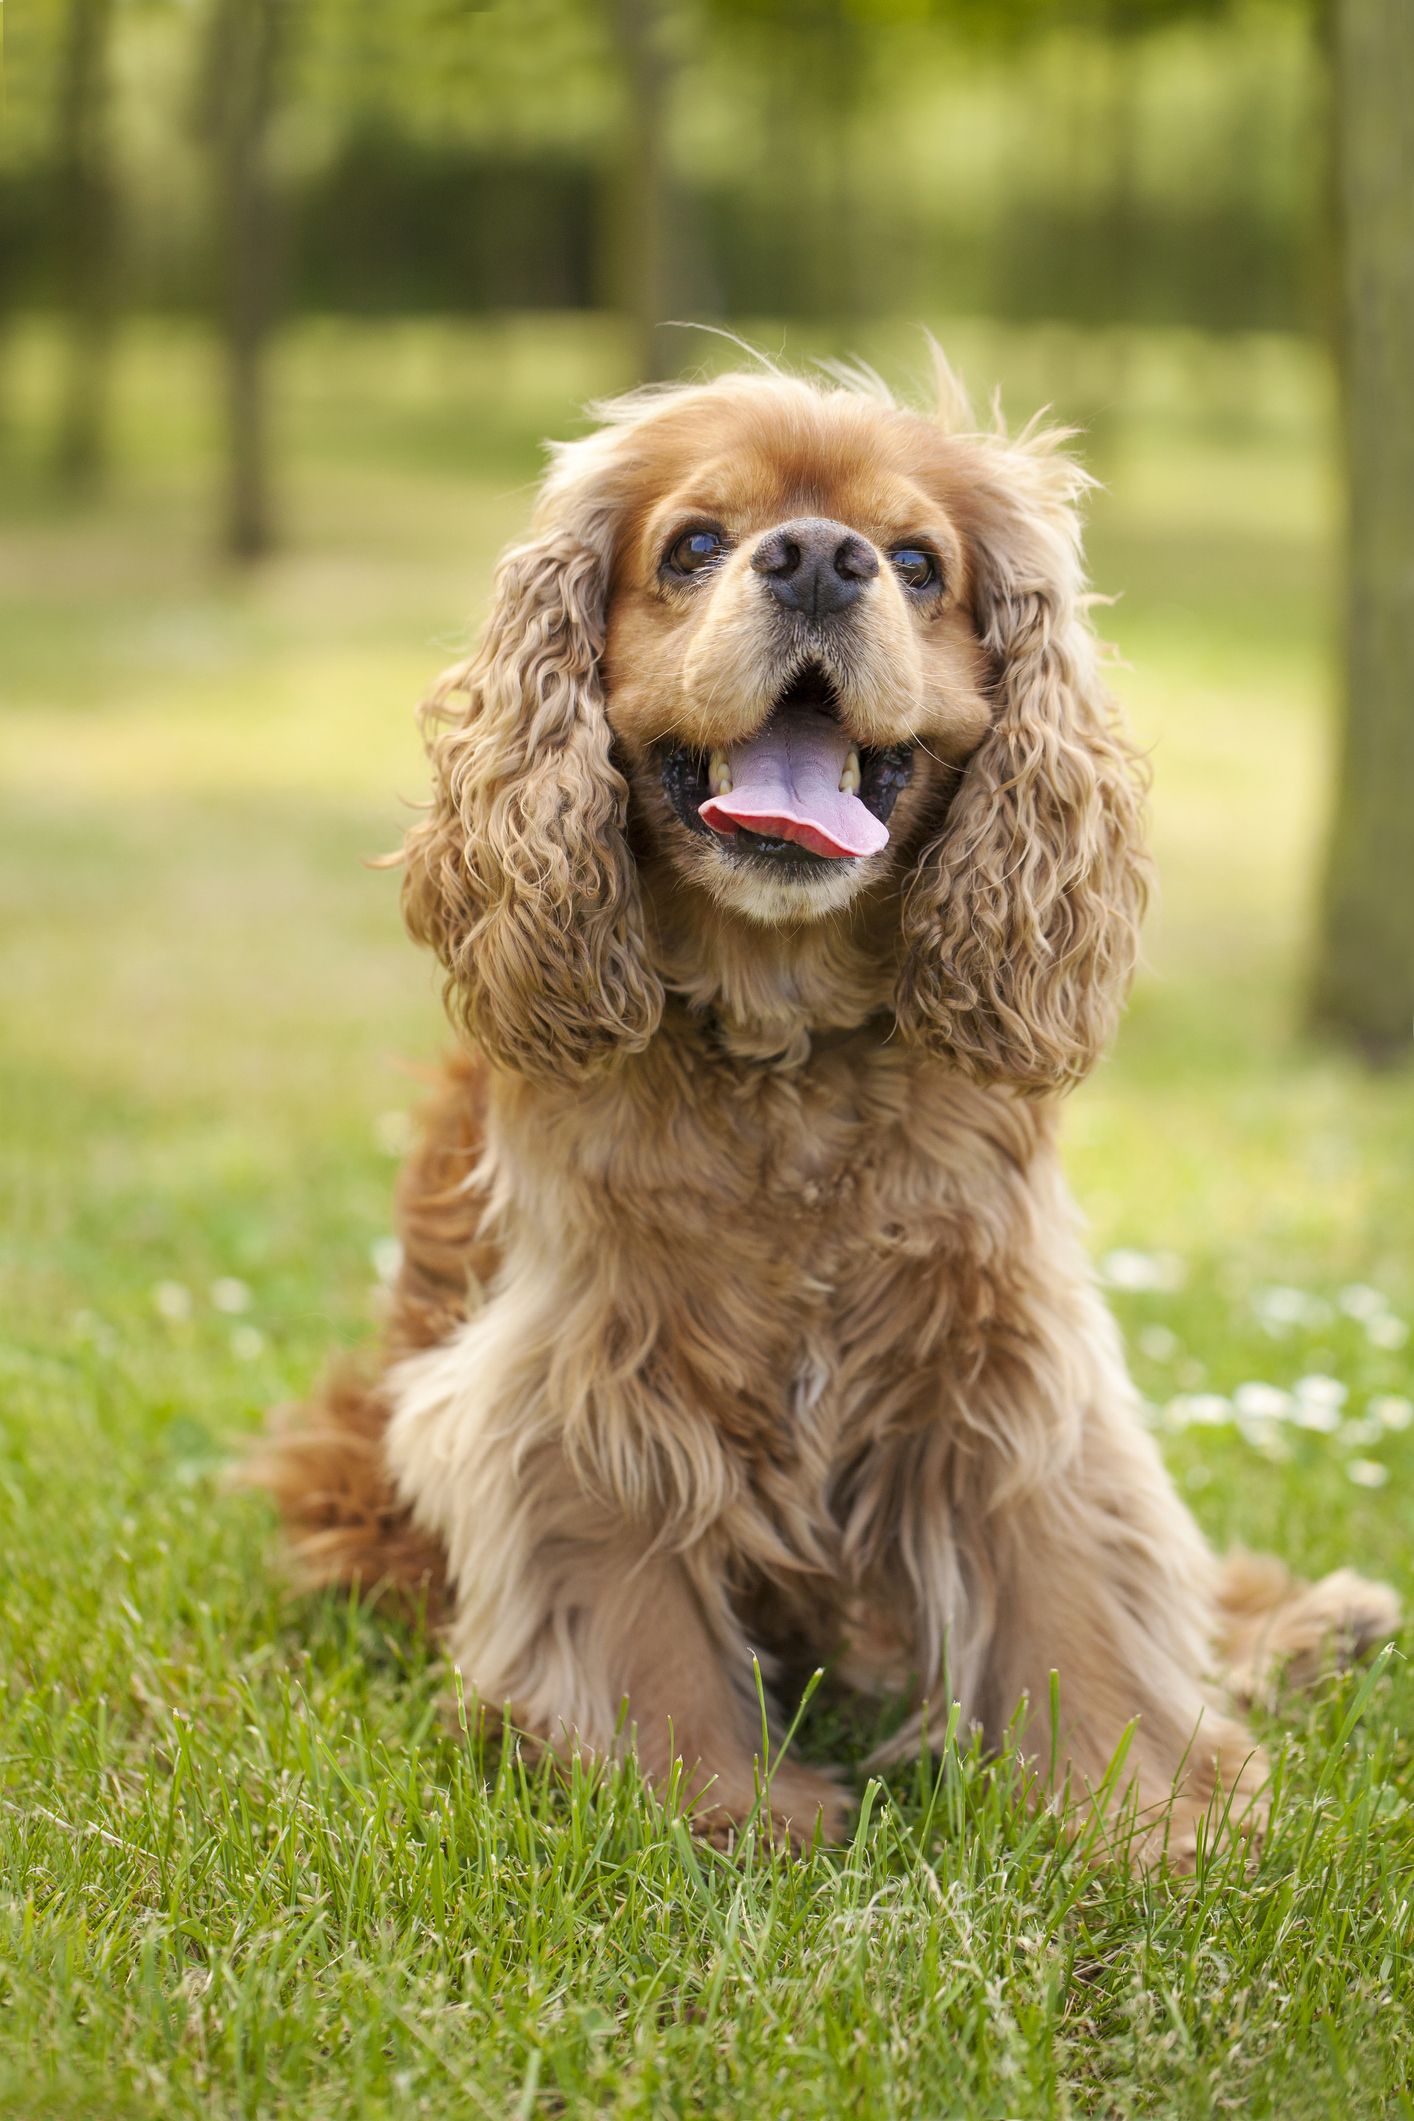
x=1364, y=987
x=845, y=273
x=638, y=233
x=1122, y=58
x=242, y=59
x=85, y=234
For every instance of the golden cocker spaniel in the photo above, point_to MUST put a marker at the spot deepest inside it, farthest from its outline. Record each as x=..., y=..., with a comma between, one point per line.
x=784, y=857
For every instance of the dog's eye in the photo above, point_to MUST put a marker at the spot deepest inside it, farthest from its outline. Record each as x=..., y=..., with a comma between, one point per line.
x=916, y=567
x=696, y=549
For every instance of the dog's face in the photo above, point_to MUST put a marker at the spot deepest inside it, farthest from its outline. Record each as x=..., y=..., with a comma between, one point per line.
x=791, y=668
x=788, y=647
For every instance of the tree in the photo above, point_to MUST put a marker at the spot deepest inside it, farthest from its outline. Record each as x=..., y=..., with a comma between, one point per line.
x=1364, y=987
x=638, y=235
x=242, y=60
x=85, y=233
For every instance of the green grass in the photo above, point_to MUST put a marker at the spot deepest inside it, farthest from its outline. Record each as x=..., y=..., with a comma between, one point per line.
x=251, y=1864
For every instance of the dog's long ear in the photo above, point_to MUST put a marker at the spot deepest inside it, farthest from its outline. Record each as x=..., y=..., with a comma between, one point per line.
x=1021, y=922
x=520, y=877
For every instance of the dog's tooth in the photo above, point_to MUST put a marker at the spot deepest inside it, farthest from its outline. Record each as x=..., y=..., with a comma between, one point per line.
x=849, y=779
x=719, y=773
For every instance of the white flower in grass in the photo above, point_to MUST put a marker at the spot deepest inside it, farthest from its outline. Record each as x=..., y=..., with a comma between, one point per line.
x=1387, y=1332
x=393, y=1132
x=1319, y=1391
x=1367, y=1472
x=1280, y=1308
x=1353, y=1433
x=247, y=1342
x=230, y=1295
x=387, y=1257
x=1204, y=1410
x=1270, y=1442
x=1318, y=1404
x=1391, y=1412
x=1158, y=1344
x=1362, y=1302
x=172, y=1300
x=1262, y=1402
x=1323, y=1389
x=87, y=1325
x=1140, y=1271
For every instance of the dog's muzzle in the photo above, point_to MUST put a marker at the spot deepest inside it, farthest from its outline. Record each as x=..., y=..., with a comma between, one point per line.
x=800, y=792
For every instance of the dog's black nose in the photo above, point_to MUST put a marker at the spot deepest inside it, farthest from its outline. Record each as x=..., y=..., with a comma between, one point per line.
x=815, y=566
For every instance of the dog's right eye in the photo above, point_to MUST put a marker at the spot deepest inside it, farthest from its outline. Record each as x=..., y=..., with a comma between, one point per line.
x=696, y=549
x=915, y=567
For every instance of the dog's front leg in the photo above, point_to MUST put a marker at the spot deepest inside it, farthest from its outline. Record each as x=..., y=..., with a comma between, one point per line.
x=1104, y=1580
x=1086, y=1602
x=595, y=1632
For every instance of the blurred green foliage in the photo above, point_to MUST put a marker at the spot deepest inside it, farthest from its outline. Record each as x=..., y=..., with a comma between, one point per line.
x=1121, y=161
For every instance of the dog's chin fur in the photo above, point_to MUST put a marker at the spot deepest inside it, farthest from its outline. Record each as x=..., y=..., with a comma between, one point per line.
x=742, y=1309
x=781, y=901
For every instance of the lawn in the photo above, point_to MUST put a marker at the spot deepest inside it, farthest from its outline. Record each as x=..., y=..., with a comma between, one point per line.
x=251, y=1863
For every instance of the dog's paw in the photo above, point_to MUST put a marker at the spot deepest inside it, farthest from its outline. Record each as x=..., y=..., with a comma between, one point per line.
x=1278, y=1632
x=1173, y=1842
x=804, y=1804
x=800, y=1804
x=1333, y=1623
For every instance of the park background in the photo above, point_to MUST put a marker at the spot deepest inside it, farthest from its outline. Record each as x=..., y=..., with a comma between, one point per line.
x=290, y=290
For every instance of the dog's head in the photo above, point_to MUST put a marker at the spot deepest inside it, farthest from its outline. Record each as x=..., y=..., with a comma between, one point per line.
x=800, y=652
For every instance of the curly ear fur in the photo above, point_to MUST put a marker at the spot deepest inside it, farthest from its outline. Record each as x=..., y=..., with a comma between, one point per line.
x=520, y=878
x=1021, y=922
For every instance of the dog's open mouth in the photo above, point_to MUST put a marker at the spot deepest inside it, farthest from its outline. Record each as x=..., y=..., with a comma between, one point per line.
x=800, y=791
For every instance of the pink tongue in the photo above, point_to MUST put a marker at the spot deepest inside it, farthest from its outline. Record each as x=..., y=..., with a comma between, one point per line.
x=786, y=784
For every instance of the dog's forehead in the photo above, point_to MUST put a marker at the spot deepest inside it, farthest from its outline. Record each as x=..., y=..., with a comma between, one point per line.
x=760, y=461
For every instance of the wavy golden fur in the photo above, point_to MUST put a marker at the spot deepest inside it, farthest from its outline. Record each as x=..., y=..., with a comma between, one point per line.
x=742, y=1308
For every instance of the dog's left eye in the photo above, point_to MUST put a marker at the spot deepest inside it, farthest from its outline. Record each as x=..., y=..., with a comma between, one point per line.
x=696, y=549
x=917, y=568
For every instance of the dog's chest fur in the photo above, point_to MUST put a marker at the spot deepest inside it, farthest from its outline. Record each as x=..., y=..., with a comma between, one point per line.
x=797, y=1313
x=798, y=1249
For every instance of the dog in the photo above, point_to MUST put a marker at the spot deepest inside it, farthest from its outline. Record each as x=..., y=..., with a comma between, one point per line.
x=785, y=859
